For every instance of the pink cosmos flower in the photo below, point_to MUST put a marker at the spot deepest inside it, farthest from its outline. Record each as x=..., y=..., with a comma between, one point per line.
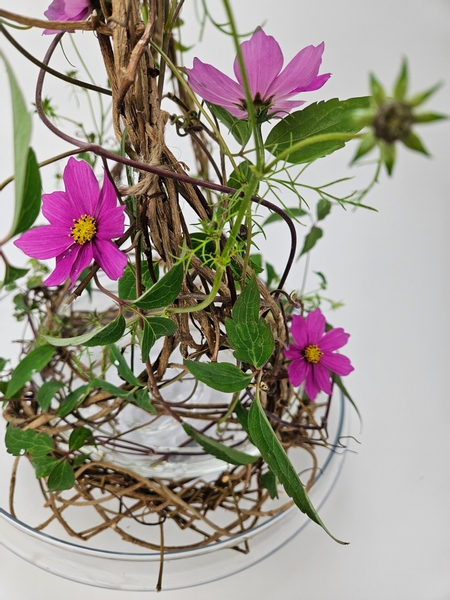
x=312, y=353
x=67, y=10
x=270, y=87
x=82, y=223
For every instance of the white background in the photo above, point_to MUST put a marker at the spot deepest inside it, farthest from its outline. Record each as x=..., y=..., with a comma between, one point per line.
x=392, y=270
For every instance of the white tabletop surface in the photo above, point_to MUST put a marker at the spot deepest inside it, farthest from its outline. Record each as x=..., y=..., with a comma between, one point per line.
x=391, y=268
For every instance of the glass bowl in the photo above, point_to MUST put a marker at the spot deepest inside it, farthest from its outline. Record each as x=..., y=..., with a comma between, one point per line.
x=138, y=571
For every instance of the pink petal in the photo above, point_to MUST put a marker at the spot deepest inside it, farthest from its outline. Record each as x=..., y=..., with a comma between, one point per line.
x=322, y=377
x=58, y=210
x=315, y=326
x=337, y=363
x=311, y=385
x=68, y=10
x=214, y=86
x=299, y=331
x=63, y=267
x=316, y=84
x=282, y=107
x=334, y=339
x=263, y=60
x=111, y=223
x=81, y=186
x=297, y=372
x=44, y=242
x=108, y=256
x=299, y=73
x=82, y=261
x=293, y=352
x=107, y=199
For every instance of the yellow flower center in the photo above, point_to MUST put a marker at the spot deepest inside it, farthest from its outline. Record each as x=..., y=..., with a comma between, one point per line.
x=83, y=229
x=312, y=354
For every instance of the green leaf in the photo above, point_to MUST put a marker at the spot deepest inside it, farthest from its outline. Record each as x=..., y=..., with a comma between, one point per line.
x=269, y=482
x=71, y=401
x=155, y=328
x=31, y=203
x=99, y=337
x=240, y=177
x=219, y=450
x=240, y=129
x=61, y=477
x=18, y=441
x=22, y=136
x=224, y=377
x=47, y=392
x=273, y=453
x=246, y=307
x=117, y=359
x=34, y=362
x=13, y=273
x=80, y=437
x=311, y=239
x=142, y=399
x=332, y=116
x=112, y=389
x=323, y=209
x=164, y=292
x=127, y=283
x=43, y=465
x=252, y=341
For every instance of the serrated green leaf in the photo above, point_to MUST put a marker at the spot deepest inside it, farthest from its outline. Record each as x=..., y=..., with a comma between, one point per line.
x=219, y=450
x=241, y=176
x=311, y=239
x=224, y=377
x=71, y=401
x=34, y=362
x=240, y=129
x=142, y=399
x=43, y=465
x=12, y=274
x=275, y=456
x=80, y=437
x=252, y=341
x=47, y=392
x=269, y=482
x=18, y=442
x=31, y=203
x=117, y=359
x=21, y=136
x=61, y=477
x=155, y=328
x=323, y=209
x=99, y=337
x=112, y=389
x=331, y=116
x=164, y=292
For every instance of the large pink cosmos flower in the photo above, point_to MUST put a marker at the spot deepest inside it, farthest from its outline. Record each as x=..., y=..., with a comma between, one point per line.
x=67, y=10
x=270, y=87
x=82, y=223
x=312, y=353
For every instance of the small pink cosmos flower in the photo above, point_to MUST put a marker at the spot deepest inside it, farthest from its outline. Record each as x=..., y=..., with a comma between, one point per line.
x=67, y=10
x=270, y=86
x=82, y=223
x=312, y=353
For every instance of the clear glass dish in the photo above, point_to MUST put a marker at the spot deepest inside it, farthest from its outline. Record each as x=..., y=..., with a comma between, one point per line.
x=138, y=571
